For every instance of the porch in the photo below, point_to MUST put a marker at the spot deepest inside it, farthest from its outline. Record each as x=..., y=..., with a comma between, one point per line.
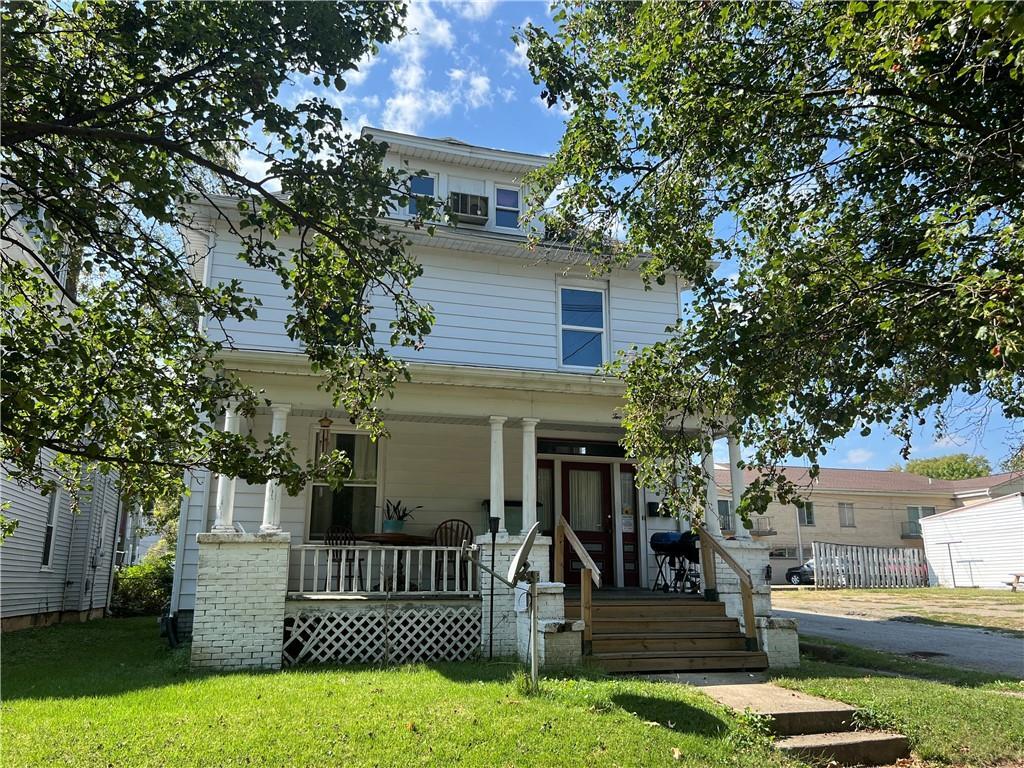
x=370, y=601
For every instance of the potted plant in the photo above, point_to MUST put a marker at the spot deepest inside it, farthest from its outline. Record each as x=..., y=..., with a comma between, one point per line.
x=395, y=515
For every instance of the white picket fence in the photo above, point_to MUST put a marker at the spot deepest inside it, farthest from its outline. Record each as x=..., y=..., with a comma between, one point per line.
x=839, y=566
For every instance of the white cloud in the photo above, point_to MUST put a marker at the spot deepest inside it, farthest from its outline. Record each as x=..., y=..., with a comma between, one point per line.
x=557, y=110
x=364, y=65
x=413, y=102
x=255, y=168
x=950, y=441
x=516, y=58
x=507, y=94
x=858, y=457
x=474, y=10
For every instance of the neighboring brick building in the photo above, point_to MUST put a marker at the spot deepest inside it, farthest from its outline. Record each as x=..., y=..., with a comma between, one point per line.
x=858, y=506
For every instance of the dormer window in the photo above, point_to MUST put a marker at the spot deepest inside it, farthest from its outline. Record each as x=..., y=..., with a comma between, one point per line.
x=419, y=186
x=506, y=207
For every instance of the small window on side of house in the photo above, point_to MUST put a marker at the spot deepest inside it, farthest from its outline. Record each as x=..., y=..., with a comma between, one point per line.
x=50, y=533
x=846, y=518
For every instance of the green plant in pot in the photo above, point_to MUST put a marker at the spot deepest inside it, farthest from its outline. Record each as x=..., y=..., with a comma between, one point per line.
x=395, y=515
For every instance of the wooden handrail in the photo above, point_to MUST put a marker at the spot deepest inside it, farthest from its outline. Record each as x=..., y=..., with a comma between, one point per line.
x=581, y=551
x=709, y=547
x=590, y=576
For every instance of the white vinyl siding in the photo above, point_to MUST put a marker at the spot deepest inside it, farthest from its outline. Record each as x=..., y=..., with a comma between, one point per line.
x=490, y=311
x=846, y=515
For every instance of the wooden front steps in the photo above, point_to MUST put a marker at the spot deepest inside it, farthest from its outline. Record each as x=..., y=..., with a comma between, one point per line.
x=650, y=633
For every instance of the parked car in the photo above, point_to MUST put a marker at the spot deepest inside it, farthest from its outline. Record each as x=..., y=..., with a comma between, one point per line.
x=801, y=574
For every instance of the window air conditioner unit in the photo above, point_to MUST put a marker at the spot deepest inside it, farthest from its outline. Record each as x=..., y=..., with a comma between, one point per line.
x=470, y=209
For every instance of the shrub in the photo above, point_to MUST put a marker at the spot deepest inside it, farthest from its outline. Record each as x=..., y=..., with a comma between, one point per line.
x=143, y=589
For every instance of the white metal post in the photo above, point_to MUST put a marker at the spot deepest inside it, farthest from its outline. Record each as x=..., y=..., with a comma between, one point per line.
x=272, y=497
x=224, y=522
x=529, y=473
x=711, y=495
x=498, y=470
x=737, y=485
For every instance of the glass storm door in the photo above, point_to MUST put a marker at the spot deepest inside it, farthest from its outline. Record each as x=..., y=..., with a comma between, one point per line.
x=586, y=505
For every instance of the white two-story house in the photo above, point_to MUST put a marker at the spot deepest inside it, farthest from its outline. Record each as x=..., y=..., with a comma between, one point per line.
x=505, y=411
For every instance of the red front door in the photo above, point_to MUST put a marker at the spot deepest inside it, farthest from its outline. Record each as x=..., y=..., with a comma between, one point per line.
x=587, y=506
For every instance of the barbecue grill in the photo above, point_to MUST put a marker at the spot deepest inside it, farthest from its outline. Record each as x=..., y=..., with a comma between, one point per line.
x=677, y=556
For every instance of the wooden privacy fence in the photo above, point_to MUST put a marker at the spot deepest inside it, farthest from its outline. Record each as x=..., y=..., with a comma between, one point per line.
x=838, y=566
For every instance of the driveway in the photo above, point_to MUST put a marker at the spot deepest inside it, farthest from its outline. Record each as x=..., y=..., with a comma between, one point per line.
x=965, y=647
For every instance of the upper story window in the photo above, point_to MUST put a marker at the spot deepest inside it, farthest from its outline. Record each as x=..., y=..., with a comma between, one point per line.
x=506, y=207
x=806, y=512
x=582, y=327
x=51, y=527
x=420, y=186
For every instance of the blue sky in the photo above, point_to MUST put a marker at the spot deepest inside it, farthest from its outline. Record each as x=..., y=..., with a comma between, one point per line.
x=457, y=73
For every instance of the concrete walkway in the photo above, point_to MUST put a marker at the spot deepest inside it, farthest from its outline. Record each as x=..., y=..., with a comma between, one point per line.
x=962, y=647
x=807, y=727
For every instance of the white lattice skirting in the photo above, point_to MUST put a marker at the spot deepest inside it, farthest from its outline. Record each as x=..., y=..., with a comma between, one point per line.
x=383, y=636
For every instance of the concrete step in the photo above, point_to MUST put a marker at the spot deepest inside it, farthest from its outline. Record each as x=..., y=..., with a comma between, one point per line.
x=792, y=712
x=670, y=641
x=847, y=747
x=670, y=661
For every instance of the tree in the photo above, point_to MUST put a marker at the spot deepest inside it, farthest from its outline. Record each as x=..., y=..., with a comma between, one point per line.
x=955, y=466
x=1014, y=463
x=117, y=116
x=857, y=166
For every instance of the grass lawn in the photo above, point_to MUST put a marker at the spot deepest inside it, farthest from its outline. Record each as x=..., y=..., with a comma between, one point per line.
x=985, y=608
x=951, y=716
x=110, y=693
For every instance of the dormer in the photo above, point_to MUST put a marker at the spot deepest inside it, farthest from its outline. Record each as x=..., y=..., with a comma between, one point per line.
x=483, y=186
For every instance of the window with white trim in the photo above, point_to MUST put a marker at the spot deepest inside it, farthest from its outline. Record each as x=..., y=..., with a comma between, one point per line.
x=506, y=207
x=53, y=508
x=725, y=519
x=806, y=512
x=582, y=327
x=846, y=518
x=354, y=505
x=420, y=186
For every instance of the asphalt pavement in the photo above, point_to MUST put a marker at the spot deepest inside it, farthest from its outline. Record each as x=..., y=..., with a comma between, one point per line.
x=978, y=649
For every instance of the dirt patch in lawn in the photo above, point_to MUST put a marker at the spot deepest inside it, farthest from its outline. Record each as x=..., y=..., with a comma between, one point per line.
x=983, y=608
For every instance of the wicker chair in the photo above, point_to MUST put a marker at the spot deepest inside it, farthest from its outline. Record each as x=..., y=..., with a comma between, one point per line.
x=339, y=536
x=451, y=533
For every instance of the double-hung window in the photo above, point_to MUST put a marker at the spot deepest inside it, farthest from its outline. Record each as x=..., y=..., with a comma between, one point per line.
x=846, y=519
x=419, y=186
x=725, y=515
x=806, y=512
x=506, y=208
x=582, y=316
x=354, y=505
x=50, y=531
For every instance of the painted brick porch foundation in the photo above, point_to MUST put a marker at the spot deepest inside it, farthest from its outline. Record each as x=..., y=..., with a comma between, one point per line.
x=240, y=600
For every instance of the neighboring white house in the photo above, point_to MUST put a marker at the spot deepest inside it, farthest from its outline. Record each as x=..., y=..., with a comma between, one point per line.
x=56, y=566
x=977, y=546
x=505, y=411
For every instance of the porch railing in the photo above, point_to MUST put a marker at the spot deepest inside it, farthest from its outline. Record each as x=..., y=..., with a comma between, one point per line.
x=372, y=569
x=709, y=547
x=590, y=575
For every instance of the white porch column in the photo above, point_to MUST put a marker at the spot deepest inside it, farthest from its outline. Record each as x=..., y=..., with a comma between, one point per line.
x=529, y=473
x=736, y=483
x=224, y=520
x=711, y=521
x=498, y=470
x=272, y=498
